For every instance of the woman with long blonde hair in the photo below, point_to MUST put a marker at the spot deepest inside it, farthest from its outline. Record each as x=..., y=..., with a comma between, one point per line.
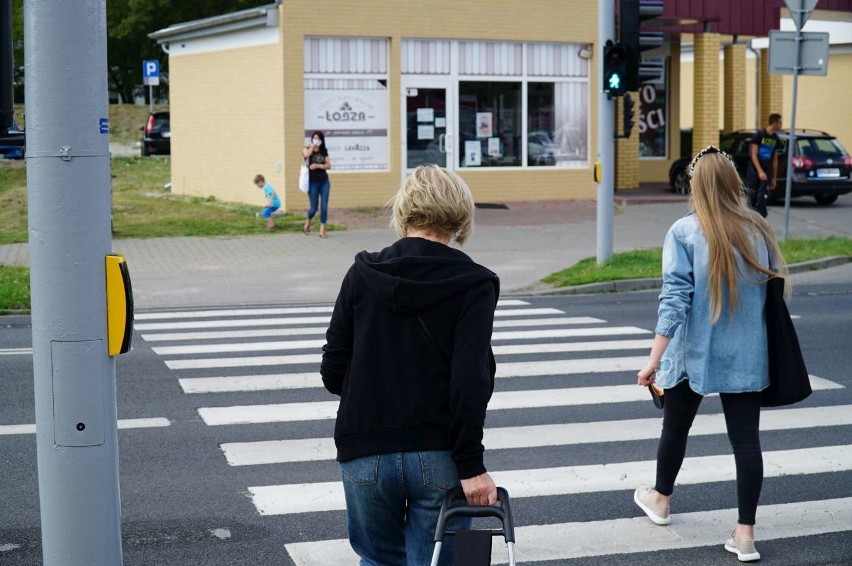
x=711, y=335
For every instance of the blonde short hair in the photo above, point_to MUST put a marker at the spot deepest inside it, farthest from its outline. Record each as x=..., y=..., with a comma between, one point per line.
x=433, y=198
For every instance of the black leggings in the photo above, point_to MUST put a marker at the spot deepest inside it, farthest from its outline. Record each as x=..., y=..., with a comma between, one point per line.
x=742, y=417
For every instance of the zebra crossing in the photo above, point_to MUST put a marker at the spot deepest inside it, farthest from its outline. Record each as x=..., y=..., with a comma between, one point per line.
x=546, y=359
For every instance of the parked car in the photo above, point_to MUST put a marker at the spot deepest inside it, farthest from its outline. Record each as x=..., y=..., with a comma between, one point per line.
x=156, y=135
x=822, y=168
x=9, y=150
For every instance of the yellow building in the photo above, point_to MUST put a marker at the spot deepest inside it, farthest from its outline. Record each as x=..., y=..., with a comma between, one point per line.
x=504, y=94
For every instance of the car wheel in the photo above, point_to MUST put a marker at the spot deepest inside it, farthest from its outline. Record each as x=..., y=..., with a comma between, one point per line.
x=826, y=199
x=680, y=182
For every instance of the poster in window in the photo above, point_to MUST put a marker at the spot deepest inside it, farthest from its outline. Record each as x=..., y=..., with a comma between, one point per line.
x=494, y=147
x=472, y=153
x=652, y=119
x=484, y=125
x=355, y=124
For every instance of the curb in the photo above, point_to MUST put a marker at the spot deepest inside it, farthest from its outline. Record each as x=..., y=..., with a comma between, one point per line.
x=627, y=285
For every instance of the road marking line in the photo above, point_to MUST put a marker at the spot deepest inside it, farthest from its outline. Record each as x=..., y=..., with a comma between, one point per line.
x=504, y=369
x=268, y=311
x=565, y=541
x=568, y=480
x=503, y=438
x=156, y=422
x=16, y=351
x=539, y=398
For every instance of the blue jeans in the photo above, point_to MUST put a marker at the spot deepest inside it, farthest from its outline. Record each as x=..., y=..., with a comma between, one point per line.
x=392, y=506
x=317, y=191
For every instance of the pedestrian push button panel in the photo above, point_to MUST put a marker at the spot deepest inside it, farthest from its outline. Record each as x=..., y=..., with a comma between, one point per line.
x=119, y=305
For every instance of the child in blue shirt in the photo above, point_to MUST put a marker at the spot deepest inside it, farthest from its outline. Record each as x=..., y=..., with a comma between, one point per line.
x=273, y=203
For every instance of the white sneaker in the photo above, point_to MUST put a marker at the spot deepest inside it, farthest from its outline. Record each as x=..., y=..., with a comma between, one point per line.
x=743, y=548
x=644, y=498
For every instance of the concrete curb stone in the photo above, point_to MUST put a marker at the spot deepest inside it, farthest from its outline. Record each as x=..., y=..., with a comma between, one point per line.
x=626, y=285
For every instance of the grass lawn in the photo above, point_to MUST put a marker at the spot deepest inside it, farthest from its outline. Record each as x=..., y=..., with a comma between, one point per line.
x=142, y=208
x=14, y=289
x=639, y=264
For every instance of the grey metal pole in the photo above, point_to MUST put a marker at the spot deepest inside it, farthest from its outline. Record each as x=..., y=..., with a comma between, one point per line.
x=788, y=187
x=606, y=141
x=150, y=98
x=68, y=180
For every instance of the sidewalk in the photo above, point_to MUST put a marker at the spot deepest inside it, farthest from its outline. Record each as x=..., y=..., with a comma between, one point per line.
x=522, y=244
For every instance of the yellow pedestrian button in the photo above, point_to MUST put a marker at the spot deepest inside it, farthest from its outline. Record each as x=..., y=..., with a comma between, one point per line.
x=119, y=305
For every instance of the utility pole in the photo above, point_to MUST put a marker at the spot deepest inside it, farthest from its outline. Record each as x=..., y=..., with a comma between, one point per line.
x=68, y=181
x=606, y=141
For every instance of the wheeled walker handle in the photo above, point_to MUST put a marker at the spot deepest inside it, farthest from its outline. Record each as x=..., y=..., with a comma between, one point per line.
x=501, y=511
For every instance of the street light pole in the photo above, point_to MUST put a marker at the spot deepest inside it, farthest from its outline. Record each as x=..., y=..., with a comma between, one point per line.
x=606, y=141
x=69, y=202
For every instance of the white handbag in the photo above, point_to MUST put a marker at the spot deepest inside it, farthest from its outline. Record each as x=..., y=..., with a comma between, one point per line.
x=304, y=177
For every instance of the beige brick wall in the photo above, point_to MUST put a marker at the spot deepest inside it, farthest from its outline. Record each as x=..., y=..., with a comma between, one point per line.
x=627, y=149
x=822, y=103
x=551, y=20
x=771, y=91
x=706, y=91
x=227, y=122
x=736, y=100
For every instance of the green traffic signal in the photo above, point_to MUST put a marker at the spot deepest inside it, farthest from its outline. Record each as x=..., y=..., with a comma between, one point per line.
x=614, y=82
x=615, y=68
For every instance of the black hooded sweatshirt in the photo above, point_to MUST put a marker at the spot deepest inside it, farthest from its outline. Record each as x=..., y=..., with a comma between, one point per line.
x=408, y=350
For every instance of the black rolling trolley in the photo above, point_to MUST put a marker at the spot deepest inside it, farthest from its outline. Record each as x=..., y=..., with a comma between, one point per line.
x=474, y=543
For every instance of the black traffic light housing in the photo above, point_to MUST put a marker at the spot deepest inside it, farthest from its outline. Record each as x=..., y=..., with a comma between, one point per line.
x=627, y=113
x=615, y=69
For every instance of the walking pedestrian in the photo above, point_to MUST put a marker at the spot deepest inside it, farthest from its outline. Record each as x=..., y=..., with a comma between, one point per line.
x=273, y=202
x=711, y=335
x=319, y=186
x=408, y=352
x=762, y=175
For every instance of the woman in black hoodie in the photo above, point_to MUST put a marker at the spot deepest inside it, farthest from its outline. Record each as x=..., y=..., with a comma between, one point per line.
x=408, y=350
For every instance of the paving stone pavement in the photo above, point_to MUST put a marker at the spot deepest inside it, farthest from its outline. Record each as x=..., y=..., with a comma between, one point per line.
x=521, y=244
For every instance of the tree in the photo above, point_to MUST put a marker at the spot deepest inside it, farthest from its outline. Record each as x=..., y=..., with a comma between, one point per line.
x=128, y=24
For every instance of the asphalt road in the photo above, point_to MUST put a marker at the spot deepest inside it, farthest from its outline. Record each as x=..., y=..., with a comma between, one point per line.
x=184, y=505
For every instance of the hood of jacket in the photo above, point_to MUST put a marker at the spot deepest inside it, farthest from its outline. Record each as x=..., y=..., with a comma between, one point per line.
x=414, y=274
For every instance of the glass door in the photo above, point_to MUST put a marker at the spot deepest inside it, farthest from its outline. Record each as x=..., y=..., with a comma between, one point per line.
x=427, y=110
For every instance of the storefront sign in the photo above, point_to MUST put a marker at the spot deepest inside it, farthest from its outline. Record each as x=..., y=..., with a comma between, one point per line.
x=355, y=124
x=652, y=120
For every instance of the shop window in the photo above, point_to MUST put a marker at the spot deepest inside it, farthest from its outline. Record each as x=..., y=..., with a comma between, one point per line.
x=557, y=134
x=653, y=115
x=489, y=124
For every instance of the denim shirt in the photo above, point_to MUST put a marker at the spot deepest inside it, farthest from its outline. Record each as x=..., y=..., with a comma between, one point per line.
x=729, y=356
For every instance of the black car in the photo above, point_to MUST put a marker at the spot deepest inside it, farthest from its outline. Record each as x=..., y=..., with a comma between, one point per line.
x=156, y=135
x=822, y=168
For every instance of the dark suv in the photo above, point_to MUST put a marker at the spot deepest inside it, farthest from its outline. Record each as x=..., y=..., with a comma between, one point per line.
x=822, y=169
x=156, y=135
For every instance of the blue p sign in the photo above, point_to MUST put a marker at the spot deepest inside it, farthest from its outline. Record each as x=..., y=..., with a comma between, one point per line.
x=150, y=69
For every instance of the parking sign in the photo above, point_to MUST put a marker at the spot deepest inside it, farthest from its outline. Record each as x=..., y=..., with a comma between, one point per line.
x=151, y=72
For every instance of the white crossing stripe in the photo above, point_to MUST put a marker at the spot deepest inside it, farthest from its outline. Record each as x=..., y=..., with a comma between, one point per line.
x=234, y=334
x=248, y=322
x=569, y=480
x=317, y=344
x=320, y=330
x=16, y=351
x=230, y=384
x=565, y=397
x=315, y=449
x=565, y=541
x=504, y=369
x=232, y=323
x=231, y=312
x=268, y=311
x=267, y=382
x=156, y=422
x=568, y=333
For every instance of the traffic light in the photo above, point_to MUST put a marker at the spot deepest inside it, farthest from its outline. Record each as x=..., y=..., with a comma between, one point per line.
x=632, y=14
x=627, y=115
x=615, y=69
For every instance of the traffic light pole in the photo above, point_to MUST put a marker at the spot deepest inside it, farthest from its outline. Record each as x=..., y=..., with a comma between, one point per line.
x=606, y=141
x=69, y=202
